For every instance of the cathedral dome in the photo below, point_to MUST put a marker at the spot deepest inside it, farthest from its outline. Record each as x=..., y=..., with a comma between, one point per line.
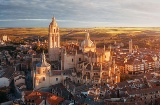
x=87, y=42
x=43, y=62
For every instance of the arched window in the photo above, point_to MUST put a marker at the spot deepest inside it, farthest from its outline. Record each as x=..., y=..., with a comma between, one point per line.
x=43, y=78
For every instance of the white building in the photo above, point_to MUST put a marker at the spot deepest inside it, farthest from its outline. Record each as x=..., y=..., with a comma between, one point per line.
x=4, y=38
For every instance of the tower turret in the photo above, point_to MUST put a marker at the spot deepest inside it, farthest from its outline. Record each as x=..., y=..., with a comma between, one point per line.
x=43, y=62
x=42, y=73
x=53, y=41
x=130, y=46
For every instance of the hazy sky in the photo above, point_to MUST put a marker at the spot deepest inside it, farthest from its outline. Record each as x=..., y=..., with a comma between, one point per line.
x=80, y=13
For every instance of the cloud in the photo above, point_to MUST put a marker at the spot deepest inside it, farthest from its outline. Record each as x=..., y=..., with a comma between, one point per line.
x=7, y=20
x=24, y=20
x=120, y=12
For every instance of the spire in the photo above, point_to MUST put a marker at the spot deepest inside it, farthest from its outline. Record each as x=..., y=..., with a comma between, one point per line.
x=43, y=57
x=38, y=42
x=43, y=62
x=54, y=23
x=104, y=47
x=38, y=38
x=130, y=46
x=87, y=36
x=53, y=40
x=53, y=19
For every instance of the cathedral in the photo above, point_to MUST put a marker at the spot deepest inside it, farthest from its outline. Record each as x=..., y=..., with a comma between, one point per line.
x=82, y=63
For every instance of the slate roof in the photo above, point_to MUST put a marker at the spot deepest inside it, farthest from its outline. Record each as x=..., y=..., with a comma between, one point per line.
x=60, y=88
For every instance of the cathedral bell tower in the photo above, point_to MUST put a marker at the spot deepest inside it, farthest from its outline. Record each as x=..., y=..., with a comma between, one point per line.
x=53, y=41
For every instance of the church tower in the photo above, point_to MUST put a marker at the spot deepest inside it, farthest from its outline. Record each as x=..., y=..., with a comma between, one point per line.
x=42, y=73
x=53, y=41
x=130, y=46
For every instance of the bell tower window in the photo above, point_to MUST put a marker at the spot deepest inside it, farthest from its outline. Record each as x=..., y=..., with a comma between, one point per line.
x=43, y=78
x=38, y=71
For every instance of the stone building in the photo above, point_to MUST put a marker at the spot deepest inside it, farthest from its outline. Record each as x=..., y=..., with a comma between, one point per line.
x=83, y=63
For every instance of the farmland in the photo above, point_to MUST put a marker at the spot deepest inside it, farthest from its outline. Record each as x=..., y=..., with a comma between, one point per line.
x=142, y=36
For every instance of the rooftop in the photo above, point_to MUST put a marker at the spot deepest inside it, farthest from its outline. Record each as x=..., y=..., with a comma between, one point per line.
x=38, y=97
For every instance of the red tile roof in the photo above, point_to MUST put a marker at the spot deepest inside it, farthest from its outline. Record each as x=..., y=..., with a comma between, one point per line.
x=37, y=97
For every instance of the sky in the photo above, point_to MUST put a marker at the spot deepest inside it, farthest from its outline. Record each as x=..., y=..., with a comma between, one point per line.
x=80, y=13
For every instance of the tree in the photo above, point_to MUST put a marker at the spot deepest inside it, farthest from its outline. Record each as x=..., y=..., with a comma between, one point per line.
x=3, y=94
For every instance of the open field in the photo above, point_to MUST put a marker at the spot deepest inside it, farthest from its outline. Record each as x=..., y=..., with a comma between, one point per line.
x=77, y=32
x=101, y=35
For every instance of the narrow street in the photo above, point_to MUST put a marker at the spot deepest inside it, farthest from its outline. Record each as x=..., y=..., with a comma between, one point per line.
x=29, y=83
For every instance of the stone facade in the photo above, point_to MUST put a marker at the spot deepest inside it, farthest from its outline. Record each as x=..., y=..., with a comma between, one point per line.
x=53, y=41
x=84, y=63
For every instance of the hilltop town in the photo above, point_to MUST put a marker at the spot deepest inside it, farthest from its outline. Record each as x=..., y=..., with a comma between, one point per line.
x=60, y=70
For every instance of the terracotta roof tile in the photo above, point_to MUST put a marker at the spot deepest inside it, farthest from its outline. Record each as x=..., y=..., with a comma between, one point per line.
x=38, y=97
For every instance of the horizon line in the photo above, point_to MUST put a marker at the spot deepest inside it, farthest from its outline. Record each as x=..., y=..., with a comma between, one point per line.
x=93, y=27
